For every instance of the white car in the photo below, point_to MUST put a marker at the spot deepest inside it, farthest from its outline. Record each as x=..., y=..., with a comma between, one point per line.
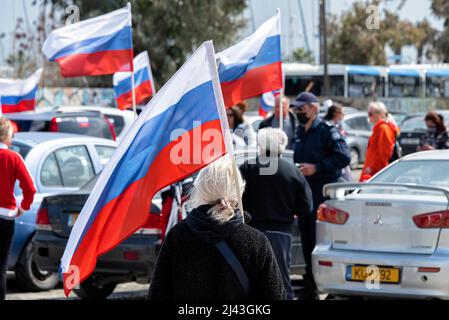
x=390, y=236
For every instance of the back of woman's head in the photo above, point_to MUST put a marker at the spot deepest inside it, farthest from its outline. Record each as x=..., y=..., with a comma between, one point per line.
x=332, y=111
x=6, y=129
x=437, y=119
x=215, y=186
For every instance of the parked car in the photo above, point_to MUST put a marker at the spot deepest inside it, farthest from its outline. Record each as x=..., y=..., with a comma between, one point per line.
x=134, y=258
x=122, y=120
x=90, y=123
x=57, y=162
x=413, y=128
x=390, y=236
x=358, y=131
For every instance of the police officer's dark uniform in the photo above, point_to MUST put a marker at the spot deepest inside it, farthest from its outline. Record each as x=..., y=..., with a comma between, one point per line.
x=323, y=146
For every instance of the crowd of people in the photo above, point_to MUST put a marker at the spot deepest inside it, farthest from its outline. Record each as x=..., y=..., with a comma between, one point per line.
x=271, y=201
x=219, y=252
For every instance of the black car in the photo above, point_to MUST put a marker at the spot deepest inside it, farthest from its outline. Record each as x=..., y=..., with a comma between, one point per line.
x=133, y=259
x=90, y=123
x=413, y=128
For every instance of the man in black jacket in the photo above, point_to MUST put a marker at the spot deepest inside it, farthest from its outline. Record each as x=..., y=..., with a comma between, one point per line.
x=275, y=192
x=290, y=122
x=322, y=153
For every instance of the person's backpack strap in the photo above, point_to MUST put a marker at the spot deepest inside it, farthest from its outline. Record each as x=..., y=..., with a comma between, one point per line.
x=235, y=265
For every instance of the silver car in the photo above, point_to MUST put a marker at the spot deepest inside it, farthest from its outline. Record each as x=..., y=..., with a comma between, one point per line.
x=390, y=236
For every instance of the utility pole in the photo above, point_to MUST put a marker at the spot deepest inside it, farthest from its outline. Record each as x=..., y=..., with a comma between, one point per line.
x=323, y=48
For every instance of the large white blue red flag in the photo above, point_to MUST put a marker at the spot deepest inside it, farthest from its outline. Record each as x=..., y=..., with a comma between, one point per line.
x=97, y=46
x=19, y=95
x=253, y=66
x=143, y=82
x=178, y=133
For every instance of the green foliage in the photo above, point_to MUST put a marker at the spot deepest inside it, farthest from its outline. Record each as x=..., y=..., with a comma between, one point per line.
x=171, y=29
x=351, y=42
x=303, y=56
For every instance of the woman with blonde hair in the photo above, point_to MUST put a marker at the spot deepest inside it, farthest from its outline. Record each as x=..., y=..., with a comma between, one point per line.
x=12, y=168
x=382, y=141
x=213, y=254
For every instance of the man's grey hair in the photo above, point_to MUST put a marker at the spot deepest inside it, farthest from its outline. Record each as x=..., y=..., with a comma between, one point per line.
x=6, y=130
x=272, y=140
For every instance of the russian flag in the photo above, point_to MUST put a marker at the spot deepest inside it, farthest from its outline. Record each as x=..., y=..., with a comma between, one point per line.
x=19, y=95
x=178, y=133
x=253, y=66
x=267, y=102
x=143, y=82
x=97, y=46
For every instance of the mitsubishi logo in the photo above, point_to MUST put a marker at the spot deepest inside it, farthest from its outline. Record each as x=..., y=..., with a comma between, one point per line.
x=378, y=220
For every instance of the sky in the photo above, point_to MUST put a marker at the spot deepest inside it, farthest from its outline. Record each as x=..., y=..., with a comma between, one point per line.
x=414, y=10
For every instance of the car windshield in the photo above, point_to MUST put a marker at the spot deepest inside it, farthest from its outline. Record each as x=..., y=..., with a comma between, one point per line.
x=420, y=172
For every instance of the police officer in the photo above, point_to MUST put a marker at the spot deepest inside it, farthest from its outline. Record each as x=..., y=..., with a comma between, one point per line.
x=321, y=153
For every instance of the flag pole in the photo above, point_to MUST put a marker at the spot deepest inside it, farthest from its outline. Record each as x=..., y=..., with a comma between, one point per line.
x=224, y=122
x=281, y=95
x=132, y=69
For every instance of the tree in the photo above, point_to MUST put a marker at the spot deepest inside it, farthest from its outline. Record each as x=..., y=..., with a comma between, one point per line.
x=303, y=56
x=440, y=9
x=351, y=42
x=170, y=29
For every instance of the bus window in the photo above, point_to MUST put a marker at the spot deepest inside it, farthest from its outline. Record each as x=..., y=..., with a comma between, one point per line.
x=362, y=86
x=437, y=87
x=297, y=84
x=403, y=86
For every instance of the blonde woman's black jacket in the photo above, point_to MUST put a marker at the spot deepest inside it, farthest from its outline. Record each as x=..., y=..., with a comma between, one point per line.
x=190, y=267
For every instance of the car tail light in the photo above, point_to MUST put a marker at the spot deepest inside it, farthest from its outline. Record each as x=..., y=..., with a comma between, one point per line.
x=331, y=215
x=54, y=127
x=152, y=225
x=428, y=270
x=326, y=263
x=439, y=219
x=131, y=255
x=111, y=127
x=42, y=219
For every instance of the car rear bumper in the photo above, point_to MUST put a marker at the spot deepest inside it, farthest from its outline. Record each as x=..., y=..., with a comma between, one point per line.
x=134, y=258
x=413, y=284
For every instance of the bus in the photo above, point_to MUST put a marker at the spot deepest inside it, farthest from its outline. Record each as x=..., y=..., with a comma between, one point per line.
x=354, y=81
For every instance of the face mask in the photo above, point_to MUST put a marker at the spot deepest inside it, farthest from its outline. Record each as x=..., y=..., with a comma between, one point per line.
x=431, y=130
x=303, y=118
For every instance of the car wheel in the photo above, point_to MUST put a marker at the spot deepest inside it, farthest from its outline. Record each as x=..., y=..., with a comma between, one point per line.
x=355, y=159
x=90, y=290
x=30, y=277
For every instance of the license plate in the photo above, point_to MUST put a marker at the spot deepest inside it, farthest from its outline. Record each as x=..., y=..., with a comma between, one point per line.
x=72, y=219
x=374, y=273
x=409, y=141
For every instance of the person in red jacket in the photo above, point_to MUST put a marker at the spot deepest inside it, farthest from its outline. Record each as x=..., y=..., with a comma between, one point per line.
x=382, y=140
x=12, y=168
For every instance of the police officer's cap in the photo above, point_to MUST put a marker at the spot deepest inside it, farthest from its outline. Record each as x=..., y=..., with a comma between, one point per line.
x=303, y=99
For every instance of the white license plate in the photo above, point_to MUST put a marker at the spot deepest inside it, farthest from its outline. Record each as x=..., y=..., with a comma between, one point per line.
x=409, y=141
